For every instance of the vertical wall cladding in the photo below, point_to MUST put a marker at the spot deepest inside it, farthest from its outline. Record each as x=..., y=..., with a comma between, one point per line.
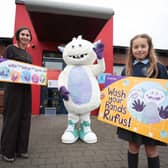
x=22, y=19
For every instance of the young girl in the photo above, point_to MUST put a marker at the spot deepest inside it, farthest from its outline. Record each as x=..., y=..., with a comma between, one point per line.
x=142, y=62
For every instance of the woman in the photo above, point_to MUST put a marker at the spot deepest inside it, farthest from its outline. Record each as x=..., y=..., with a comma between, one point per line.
x=17, y=103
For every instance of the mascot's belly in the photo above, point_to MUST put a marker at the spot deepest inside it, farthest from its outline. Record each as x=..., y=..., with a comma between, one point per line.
x=79, y=86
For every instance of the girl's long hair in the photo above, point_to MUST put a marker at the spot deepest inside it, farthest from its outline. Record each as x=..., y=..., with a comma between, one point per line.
x=153, y=69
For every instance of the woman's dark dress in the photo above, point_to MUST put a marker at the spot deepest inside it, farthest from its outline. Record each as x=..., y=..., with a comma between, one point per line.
x=17, y=110
x=139, y=70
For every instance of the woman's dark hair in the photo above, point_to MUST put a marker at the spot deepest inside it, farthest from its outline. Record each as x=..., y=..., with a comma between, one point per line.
x=17, y=33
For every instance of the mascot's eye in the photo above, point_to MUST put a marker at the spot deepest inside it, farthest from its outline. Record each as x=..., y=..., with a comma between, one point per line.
x=80, y=45
x=73, y=46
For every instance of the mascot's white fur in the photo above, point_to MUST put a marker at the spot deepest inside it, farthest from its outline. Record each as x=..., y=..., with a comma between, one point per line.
x=79, y=87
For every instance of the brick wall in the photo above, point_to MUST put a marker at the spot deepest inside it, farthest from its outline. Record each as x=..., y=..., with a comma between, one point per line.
x=120, y=54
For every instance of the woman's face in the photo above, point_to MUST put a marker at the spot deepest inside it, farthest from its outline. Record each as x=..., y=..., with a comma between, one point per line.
x=24, y=37
x=140, y=48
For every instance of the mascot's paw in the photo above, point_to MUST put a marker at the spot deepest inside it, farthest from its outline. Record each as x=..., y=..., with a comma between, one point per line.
x=64, y=93
x=86, y=134
x=71, y=134
x=99, y=50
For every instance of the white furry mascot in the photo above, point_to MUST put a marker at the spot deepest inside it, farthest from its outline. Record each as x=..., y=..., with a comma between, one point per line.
x=79, y=87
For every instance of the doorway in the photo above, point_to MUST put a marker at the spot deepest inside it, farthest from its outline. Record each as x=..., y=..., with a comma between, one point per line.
x=51, y=102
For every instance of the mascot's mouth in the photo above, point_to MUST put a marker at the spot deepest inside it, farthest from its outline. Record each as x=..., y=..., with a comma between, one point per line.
x=78, y=56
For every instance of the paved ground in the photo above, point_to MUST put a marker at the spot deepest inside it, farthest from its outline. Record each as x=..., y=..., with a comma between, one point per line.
x=47, y=151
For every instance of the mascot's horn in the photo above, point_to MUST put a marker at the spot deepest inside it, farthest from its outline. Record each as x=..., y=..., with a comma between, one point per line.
x=79, y=37
x=61, y=49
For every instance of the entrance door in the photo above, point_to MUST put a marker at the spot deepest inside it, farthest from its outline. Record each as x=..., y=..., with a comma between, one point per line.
x=51, y=102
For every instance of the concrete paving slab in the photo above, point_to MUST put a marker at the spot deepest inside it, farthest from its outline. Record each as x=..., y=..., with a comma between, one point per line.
x=47, y=151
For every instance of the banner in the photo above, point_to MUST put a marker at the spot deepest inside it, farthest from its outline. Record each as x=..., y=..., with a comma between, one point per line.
x=19, y=72
x=136, y=104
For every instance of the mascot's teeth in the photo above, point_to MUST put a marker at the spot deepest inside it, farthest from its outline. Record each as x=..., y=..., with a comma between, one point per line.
x=78, y=56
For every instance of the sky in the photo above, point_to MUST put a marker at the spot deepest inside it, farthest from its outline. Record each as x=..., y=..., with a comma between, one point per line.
x=131, y=17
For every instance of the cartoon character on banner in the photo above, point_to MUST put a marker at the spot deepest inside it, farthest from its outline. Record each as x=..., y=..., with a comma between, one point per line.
x=148, y=96
x=79, y=88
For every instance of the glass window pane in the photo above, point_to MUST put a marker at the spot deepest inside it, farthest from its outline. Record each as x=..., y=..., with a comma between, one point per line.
x=54, y=65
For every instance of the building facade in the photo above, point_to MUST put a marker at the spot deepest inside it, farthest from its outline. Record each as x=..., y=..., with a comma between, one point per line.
x=54, y=23
x=120, y=54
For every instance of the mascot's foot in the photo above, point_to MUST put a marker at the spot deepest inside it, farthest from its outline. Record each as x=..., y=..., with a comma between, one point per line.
x=71, y=134
x=86, y=134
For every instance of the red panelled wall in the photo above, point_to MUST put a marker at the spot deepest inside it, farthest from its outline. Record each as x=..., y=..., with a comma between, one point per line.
x=106, y=36
x=22, y=19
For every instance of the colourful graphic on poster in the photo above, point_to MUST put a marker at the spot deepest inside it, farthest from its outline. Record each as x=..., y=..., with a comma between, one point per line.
x=19, y=72
x=136, y=104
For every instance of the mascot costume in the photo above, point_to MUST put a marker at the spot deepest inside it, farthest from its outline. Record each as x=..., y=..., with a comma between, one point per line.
x=79, y=88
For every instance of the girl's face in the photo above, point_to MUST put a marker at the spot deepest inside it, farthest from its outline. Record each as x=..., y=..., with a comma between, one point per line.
x=24, y=37
x=140, y=48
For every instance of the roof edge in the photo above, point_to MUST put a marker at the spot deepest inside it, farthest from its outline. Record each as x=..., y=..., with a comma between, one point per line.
x=81, y=8
x=19, y=1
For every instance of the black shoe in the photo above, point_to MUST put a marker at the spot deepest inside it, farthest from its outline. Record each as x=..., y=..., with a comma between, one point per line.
x=8, y=159
x=22, y=155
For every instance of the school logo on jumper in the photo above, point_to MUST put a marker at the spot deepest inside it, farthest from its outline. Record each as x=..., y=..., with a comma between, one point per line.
x=136, y=104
